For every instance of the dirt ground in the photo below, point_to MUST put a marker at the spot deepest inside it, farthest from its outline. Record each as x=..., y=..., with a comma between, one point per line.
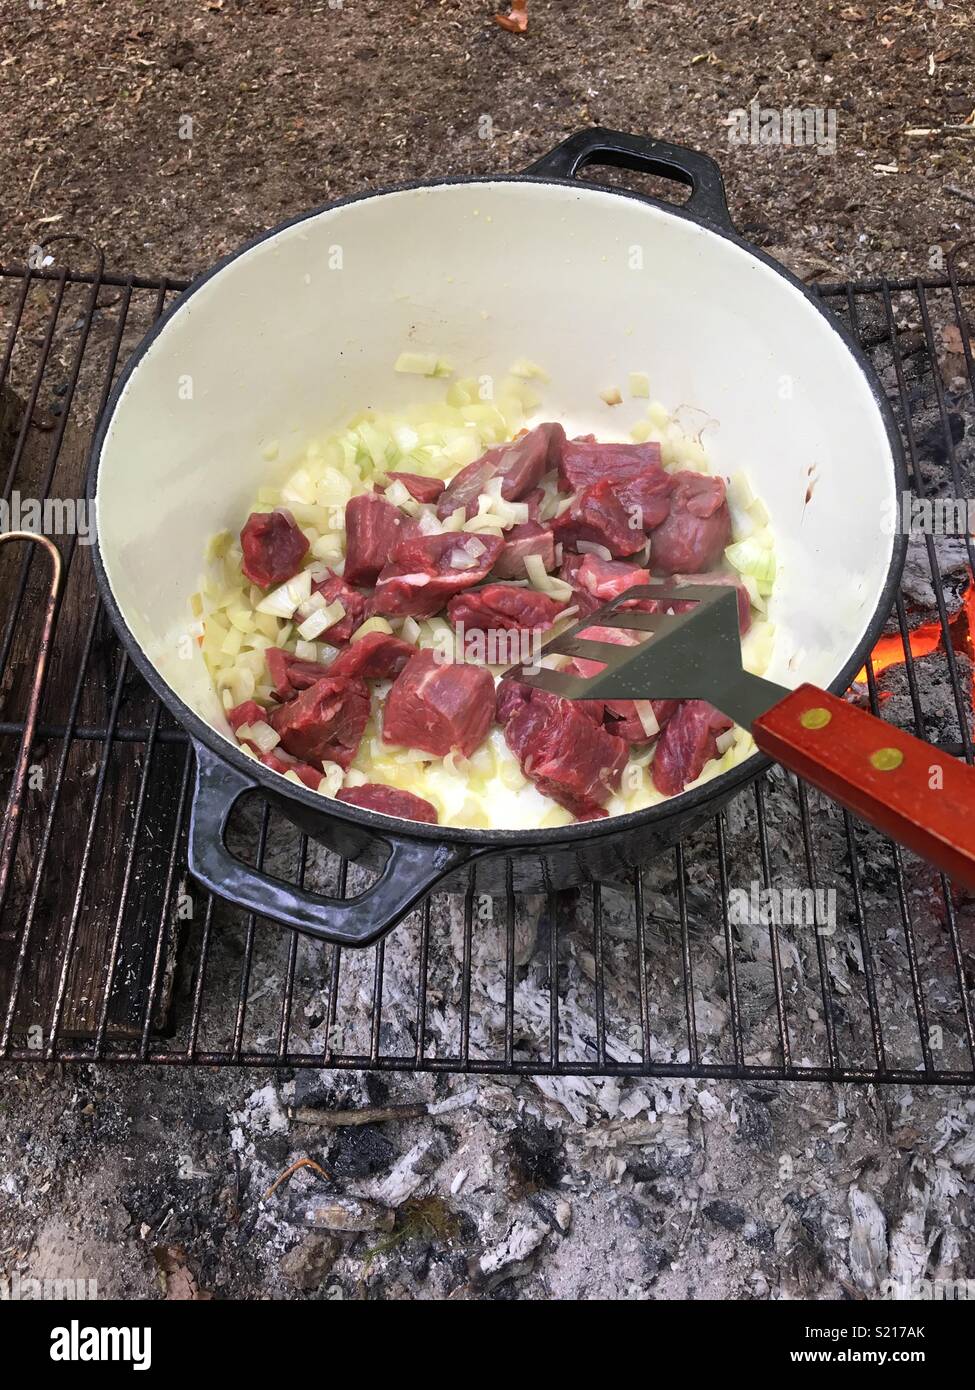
x=167, y=133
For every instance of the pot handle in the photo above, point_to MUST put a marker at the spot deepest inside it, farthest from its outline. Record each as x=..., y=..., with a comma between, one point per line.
x=411, y=870
x=640, y=152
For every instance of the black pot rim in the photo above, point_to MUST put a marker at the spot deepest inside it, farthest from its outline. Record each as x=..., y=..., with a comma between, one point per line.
x=718, y=790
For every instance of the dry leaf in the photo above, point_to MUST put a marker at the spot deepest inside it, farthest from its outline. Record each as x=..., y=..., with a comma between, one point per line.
x=516, y=20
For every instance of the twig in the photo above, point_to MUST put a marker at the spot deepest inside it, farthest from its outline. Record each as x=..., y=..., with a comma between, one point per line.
x=289, y=1172
x=960, y=193
x=370, y=1115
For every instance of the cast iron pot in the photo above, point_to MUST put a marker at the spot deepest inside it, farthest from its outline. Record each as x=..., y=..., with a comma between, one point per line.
x=289, y=336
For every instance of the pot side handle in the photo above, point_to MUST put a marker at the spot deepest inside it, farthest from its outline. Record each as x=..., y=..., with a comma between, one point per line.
x=411, y=870
x=646, y=155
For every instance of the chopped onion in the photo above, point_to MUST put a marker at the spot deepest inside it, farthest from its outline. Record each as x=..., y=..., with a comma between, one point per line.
x=411, y=631
x=474, y=547
x=460, y=560
x=282, y=602
x=724, y=741
x=260, y=733
x=306, y=651
x=594, y=548
x=322, y=618
x=543, y=581
x=647, y=718
x=331, y=783
x=376, y=624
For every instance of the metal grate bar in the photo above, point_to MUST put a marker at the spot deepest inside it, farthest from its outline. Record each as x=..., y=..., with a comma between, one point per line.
x=597, y=954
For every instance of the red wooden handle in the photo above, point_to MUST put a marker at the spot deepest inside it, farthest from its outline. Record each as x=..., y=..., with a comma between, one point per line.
x=908, y=789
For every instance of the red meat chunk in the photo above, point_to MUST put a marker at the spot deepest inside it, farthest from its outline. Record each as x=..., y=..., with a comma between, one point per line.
x=744, y=602
x=521, y=465
x=325, y=722
x=687, y=742
x=607, y=579
x=273, y=546
x=530, y=538
x=692, y=538
x=282, y=763
x=335, y=588
x=374, y=796
x=566, y=755
x=585, y=462
x=646, y=499
x=289, y=674
x=597, y=515
x=372, y=528
x=437, y=706
x=420, y=488
x=513, y=695
x=623, y=721
x=502, y=606
x=250, y=712
x=376, y=656
x=421, y=576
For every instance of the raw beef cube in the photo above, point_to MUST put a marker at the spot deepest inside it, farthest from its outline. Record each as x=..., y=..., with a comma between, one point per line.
x=282, y=763
x=438, y=706
x=567, y=756
x=250, y=712
x=646, y=499
x=376, y=656
x=502, y=606
x=273, y=546
x=530, y=538
x=372, y=528
x=374, y=796
x=289, y=674
x=584, y=462
x=597, y=516
x=325, y=722
x=424, y=571
x=521, y=465
x=693, y=536
x=687, y=742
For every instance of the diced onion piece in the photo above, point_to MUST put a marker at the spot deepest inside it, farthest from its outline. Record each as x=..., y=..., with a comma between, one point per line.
x=611, y=396
x=647, y=718
x=751, y=557
x=260, y=733
x=455, y=522
x=546, y=583
x=410, y=631
x=474, y=547
x=322, y=618
x=306, y=651
x=417, y=363
x=640, y=385
x=526, y=369
x=376, y=624
x=594, y=548
x=429, y=524
x=300, y=487
x=355, y=778
x=282, y=601
x=460, y=560
x=331, y=783
x=724, y=741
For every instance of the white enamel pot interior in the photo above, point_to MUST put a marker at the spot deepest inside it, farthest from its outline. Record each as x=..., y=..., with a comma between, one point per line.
x=294, y=334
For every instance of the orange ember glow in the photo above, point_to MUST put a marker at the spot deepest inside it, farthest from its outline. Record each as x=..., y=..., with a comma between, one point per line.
x=927, y=638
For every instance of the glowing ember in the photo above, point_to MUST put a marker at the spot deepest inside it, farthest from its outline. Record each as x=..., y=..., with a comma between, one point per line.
x=927, y=638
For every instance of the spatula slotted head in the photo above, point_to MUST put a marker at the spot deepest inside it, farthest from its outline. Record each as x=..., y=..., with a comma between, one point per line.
x=692, y=655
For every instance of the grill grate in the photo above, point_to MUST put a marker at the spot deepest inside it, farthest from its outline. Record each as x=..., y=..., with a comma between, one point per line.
x=107, y=953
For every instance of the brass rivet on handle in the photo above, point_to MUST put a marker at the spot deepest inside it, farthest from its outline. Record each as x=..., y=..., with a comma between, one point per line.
x=816, y=718
x=886, y=759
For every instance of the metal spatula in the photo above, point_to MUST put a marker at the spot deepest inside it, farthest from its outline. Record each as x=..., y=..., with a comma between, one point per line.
x=907, y=788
